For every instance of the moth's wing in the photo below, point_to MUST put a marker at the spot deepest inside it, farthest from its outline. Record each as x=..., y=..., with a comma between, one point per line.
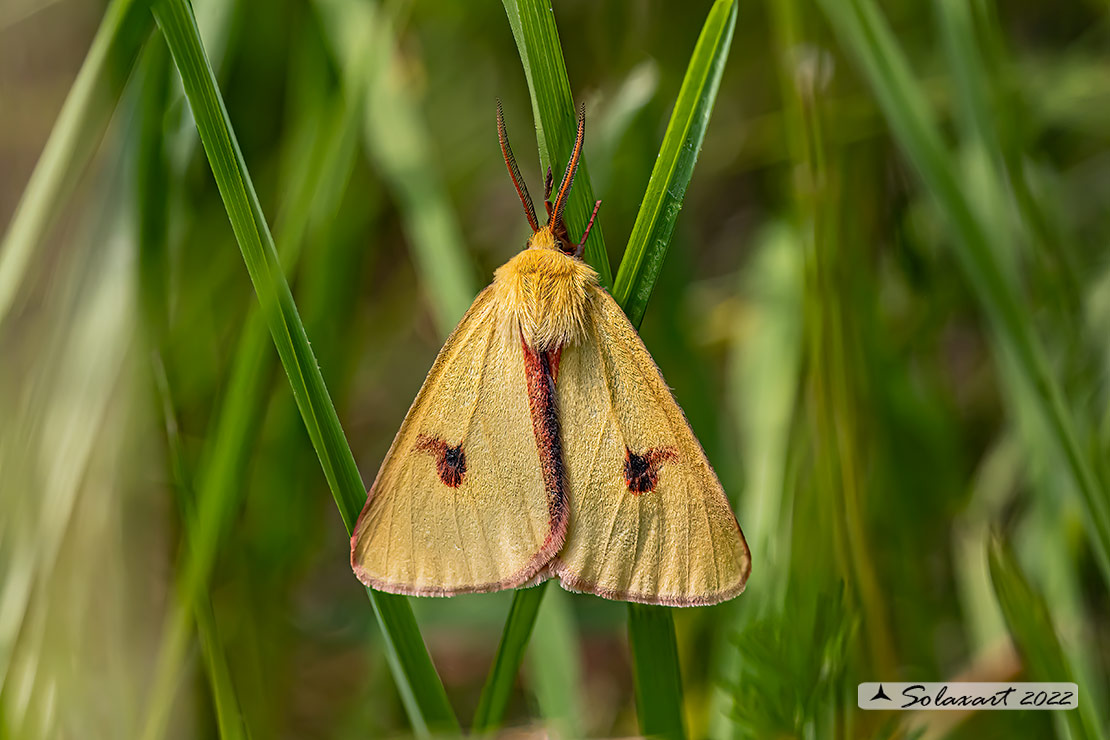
x=676, y=544
x=493, y=530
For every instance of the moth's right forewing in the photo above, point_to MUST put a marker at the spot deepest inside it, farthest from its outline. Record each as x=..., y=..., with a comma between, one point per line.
x=649, y=521
x=459, y=504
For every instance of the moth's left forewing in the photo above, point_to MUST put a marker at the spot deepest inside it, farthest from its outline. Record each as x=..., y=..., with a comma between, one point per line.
x=459, y=504
x=649, y=521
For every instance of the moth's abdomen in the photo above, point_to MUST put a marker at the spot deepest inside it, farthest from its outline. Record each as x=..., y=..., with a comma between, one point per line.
x=549, y=294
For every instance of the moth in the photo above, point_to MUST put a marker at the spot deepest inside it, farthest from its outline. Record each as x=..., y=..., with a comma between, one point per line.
x=544, y=443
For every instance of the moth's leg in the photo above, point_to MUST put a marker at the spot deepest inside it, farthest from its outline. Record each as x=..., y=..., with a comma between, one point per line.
x=582, y=244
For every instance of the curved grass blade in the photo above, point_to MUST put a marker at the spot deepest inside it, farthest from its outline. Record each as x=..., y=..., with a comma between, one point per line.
x=1030, y=622
x=418, y=683
x=537, y=40
x=651, y=234
x=862, y=30
x=77, y=132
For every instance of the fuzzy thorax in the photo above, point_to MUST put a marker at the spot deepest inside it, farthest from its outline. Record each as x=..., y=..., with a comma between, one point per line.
x=548, y=292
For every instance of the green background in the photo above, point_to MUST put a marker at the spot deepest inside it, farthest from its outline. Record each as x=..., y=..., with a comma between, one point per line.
x=884, y=309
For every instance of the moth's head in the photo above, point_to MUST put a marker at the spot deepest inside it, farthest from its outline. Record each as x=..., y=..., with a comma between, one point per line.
x=553, y=234
x=545, y=239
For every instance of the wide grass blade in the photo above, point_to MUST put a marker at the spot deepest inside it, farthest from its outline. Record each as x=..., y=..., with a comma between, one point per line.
x=77, y=132
x=419, y=685
x=655, y=671
x=862, y=30
x=537, y=40
x=651, y=234
x=1030, y=622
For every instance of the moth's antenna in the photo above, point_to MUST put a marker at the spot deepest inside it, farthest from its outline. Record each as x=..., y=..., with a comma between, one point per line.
x=514, y=171
x=568, y=176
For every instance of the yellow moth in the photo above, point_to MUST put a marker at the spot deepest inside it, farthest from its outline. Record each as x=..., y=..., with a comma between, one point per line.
x=544, y=443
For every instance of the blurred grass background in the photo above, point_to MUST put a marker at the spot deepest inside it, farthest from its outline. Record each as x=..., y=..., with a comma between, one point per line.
x=884, y=310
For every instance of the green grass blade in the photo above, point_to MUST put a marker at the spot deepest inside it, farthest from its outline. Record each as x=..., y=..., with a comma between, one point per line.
x=152, y=198
x=651, y=234
x=77, y=132
x=413, y=670
x=506, y=663
x=229, y=715
x=1030, y=622
x=554, y=667
x=537, y=40
x=864, y=33
x=655, y=671
x=651, y=628
x=973, y=90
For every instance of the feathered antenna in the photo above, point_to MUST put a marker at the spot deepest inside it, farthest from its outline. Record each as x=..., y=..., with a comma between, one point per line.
x=514, y=171
x=556, y=213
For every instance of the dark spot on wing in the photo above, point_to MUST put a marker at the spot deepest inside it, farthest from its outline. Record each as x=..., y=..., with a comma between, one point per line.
x=450, y=461
x=641, y=472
